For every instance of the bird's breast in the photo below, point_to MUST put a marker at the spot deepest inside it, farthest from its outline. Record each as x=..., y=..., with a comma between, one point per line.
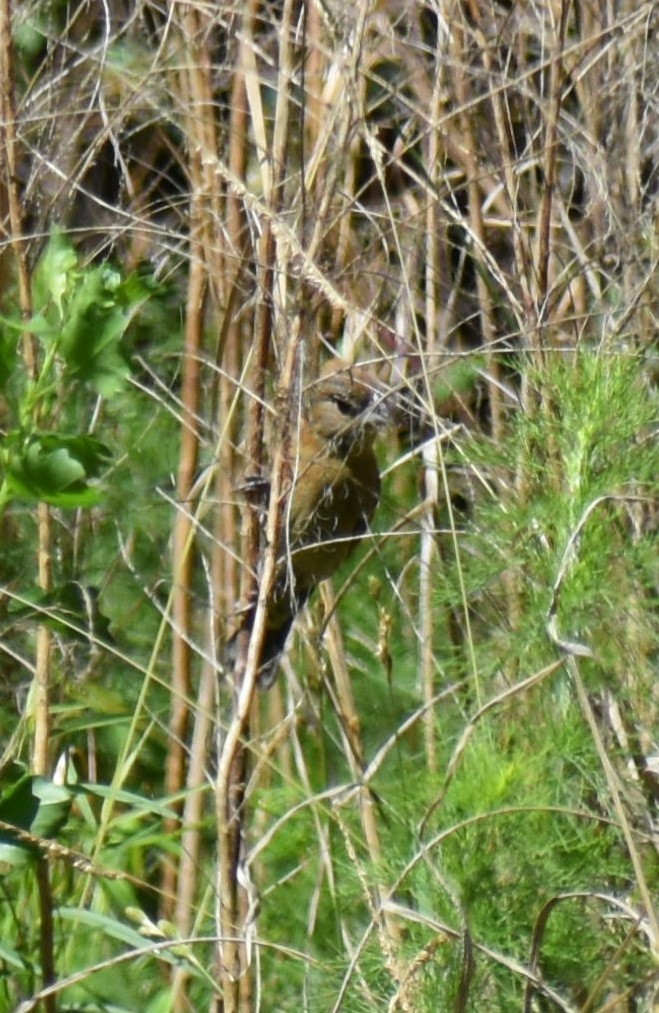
x=331, y=506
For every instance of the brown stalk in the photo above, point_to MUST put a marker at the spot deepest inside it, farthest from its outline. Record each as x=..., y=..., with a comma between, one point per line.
x=350, y=725
x=189, y=865
x=223, y=573
x=41, y=702
x=182, y=556
x=434, y=337
x=194, y=91
x=40, y=758
x=545, y=244
x=473, y=172
x=614, y=786
x=231, y=354
x=232, y=767
x=232, y=764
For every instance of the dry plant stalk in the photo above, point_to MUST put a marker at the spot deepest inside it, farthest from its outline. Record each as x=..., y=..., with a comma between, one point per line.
x=11, y=204
x=232, y=956
x=17, y=241
x=195, y=93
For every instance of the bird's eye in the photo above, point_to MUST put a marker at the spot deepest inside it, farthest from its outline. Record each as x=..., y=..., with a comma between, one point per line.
x=346, y=407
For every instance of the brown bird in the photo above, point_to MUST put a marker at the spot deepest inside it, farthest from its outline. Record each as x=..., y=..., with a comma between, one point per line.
x=334, y=491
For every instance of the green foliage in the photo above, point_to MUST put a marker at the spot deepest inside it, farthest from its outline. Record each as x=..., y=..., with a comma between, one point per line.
x=35, y=805
x=523, y=820
x=55, y=448
x=526, y=817
x=81, y=315
x=54, y=468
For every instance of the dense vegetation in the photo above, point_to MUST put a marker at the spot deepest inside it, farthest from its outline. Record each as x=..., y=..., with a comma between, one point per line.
x=449, y=799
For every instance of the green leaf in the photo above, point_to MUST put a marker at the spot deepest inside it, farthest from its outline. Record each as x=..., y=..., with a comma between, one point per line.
x=38, y=807
x=57, y=468
x=161, y=1003
x=8, y=358
x=90, y=341
x=129, y=798
x=54, y=274
x=54, y=806
x=106, y=926
x=13, y=958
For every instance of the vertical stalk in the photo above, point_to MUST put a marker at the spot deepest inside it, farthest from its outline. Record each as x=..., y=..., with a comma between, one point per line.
x=389, y=928
x=41, y=697
x=182, y=556
x=192, y=816
x=545, y=245
x=195, y=91
x=223, y=570
x=427, y=551
x=232, y=767
x=473, y=172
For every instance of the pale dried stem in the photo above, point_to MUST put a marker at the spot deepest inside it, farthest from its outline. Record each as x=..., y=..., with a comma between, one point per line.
x=226, y=270
x=233, y=963
x=428, y=565
x=550, y=144
x=473, y=172
x=230, y=353
x=42, y=675
x=434, y=285
x=195, y=91
x=189, y=864
x=613, y=783
x=354, y=753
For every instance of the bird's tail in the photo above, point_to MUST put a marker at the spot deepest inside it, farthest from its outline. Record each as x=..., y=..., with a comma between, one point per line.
x=278, y=627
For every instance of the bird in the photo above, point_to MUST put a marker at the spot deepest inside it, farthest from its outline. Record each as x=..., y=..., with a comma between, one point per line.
x=332, y=496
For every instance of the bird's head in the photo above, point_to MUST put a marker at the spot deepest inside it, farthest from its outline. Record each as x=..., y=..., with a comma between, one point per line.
x=347, y=404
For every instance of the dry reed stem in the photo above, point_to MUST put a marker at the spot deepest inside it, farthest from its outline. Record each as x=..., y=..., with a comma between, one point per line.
x=192, y=92
x=42, y=670
x=549, y=153
x=354, y=752
x=473, y=172
x=613, y=783
x=233, y=959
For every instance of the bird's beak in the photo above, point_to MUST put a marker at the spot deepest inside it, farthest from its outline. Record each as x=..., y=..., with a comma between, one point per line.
x=381, y=412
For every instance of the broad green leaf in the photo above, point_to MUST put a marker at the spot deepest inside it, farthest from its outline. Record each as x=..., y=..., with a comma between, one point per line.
x=38, y=324
x=38, y=807
x=137, y=802
x=54, y=273
x=54, y=805
x=12, y=957
x=90, y=341
x=57, y=468
x=104, y=924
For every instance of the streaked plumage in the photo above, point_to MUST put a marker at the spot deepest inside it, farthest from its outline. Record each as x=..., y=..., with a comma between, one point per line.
x=335, y=489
